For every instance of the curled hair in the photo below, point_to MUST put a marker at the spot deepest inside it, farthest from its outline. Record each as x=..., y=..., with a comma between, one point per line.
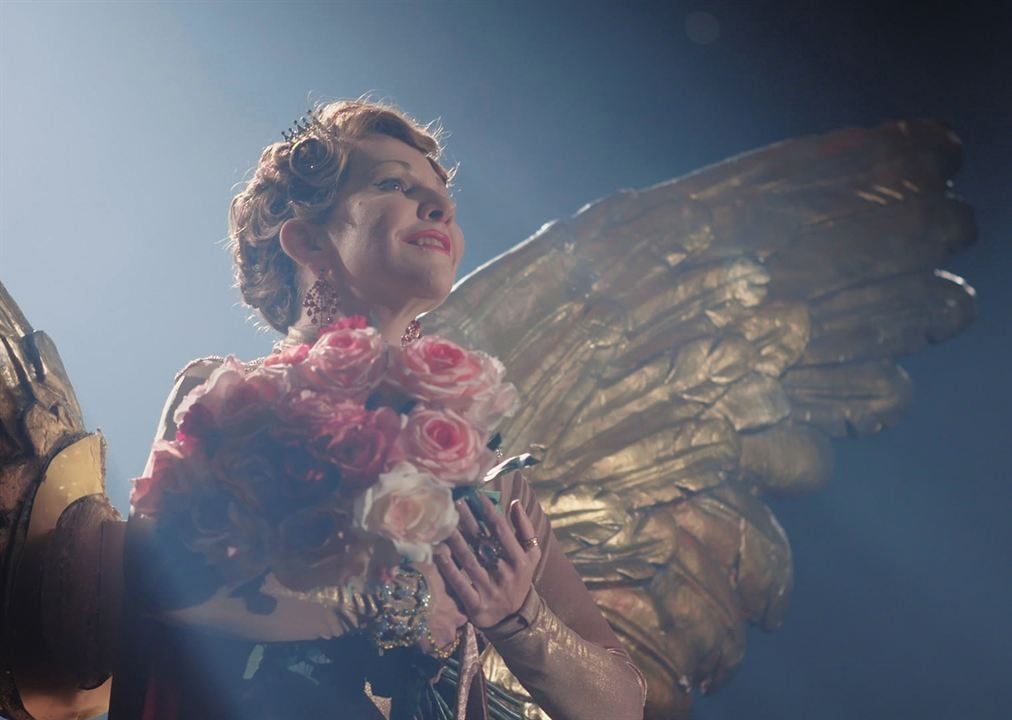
x=301, y=179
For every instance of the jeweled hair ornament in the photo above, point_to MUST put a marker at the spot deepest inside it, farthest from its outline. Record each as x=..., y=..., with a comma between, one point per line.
x=304, y=126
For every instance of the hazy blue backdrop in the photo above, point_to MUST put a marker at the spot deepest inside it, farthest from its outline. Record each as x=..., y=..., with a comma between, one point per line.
x=124, y=127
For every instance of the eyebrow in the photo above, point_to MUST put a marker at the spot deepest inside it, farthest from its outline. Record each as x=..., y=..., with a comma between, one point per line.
x=403, y=164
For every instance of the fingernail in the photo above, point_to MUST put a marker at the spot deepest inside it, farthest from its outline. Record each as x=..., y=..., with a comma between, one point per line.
x=514, y=503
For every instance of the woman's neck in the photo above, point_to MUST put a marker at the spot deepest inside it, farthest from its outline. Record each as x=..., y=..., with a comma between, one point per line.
x=392, y=326
x=391, y=319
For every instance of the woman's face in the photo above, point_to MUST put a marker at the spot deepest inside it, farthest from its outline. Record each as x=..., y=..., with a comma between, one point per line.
x=393, y=228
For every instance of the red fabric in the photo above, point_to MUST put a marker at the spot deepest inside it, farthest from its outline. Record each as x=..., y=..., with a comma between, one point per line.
x=161, y=698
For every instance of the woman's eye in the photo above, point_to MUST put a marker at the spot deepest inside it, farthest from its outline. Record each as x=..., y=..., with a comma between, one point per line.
x=392, y=184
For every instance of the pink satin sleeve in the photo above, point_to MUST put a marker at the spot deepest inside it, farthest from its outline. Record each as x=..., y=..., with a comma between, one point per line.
x=558, y=645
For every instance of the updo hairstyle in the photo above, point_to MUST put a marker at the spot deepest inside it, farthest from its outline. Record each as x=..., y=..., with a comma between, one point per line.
x=301, y=179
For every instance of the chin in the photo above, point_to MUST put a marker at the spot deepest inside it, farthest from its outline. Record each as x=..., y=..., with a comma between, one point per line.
x=433, y=291
x=434, y=302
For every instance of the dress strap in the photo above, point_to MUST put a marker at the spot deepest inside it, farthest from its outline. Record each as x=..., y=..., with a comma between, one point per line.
x=211, y=363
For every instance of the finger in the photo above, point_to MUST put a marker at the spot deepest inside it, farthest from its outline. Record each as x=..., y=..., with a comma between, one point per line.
x=459, y=584
x=525, y=528
x=441, y=553
x=437, y=583
x=503, y=532
x=468, y=522
x=464, y=556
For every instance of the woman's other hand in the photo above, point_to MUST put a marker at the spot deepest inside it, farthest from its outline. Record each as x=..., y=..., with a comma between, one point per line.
x=493, y=586
x=445, y=618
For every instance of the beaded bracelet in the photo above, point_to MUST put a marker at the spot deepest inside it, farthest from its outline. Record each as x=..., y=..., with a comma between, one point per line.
x=445, y=652
x=402, y=619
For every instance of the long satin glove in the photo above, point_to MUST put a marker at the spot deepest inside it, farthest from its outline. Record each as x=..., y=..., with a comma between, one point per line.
x=567, y=676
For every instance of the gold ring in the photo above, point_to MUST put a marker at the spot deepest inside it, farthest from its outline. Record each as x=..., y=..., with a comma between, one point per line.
x=530, y=543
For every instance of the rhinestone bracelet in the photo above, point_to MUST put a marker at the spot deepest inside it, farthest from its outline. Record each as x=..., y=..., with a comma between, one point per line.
x=402, y=620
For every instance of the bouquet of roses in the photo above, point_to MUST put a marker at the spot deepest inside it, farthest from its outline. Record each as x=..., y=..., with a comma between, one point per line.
x=329, y=463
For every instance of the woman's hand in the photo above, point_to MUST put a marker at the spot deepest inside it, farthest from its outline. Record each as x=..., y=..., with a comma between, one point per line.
x=445, y=618
x=492, y=590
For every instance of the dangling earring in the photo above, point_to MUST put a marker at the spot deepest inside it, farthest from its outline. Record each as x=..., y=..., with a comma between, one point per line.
x=411, y=333
x=322, y=302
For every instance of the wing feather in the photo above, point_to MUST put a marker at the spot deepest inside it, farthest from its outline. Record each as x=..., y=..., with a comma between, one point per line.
x=686, y=349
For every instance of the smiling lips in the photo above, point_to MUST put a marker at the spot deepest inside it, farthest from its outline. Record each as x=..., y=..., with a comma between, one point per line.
x=430, y=240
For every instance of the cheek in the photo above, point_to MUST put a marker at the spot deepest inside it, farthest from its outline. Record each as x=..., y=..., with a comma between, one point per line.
x=461, y=246
x=357, y=237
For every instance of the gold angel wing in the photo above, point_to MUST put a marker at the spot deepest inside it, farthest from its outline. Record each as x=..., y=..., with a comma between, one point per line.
x=52, y=503
x=684, y=350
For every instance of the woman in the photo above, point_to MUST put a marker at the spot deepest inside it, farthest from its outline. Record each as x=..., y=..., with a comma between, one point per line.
x=351, y=215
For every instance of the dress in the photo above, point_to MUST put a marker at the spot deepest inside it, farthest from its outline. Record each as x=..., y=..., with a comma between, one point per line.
x=175, y=662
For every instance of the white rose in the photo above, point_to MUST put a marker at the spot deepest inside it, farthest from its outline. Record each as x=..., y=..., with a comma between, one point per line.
x=411, y=508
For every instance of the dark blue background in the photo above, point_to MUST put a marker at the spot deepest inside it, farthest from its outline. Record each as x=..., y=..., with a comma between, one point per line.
x=124, y=126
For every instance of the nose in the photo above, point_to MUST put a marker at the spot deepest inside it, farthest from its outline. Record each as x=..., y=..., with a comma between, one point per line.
x=437, y=208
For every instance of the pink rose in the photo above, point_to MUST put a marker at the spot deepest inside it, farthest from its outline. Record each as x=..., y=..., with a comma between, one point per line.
x=357, y=441
x=444, y=444
x=306, y=478
x=318, y=546
x=249, y=406
x=287, y=358
x=411, y=508
x=250, y=472
x=166, y=474
x=213, y=392
x=227, y=534
x=305, y=410
x=198, y=428
x=229, y=400
x=348, y=361
x=285, y=365
x=446, y=375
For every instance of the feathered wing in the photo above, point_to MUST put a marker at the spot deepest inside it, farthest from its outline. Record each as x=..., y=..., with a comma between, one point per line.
x=684, y=350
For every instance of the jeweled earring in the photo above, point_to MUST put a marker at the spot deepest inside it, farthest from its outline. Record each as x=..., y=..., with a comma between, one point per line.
x=322, y=302
x=411, y=333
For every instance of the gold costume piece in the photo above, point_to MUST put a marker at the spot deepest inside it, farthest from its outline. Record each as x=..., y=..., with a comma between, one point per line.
x=681, y=352
x=52, y=655
x=684, y=350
